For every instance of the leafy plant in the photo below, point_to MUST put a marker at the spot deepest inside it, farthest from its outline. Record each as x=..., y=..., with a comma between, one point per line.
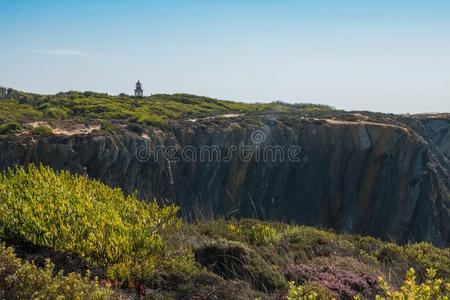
x=305, y=243
x=255, y=233
x=23, y=280
x=72, y=213
x=42, y=130
x=55, y=113
x=298, y=292
x=233, y=260
x=11, y=127
x=427, y=256
x=108, y=126
x=431, y=289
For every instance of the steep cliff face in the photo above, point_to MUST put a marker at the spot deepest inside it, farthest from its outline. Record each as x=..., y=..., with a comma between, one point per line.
x=438, y=132
x=385, y=180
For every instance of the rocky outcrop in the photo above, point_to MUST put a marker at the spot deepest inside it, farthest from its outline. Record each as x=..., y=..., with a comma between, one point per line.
x=386, y=180
x=3, y=92
x=437, y=130
x=9, y=93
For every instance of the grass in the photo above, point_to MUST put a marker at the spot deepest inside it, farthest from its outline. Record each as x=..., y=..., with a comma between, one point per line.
x=143, y=247
x=156, y=110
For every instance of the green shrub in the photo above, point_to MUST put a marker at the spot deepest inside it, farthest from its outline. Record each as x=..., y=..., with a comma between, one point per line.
x=13, y=111
x=298, y=292
x=11, y=127
x=431, y=289
x=22, y=280
x=309, y=291
x=306, y=243
x=108, y=126
x=255, y=233
x=216, y=228
x=392, y=254
x=427, y=256
x=42, y=130
x=56, y=113
x=234, y=260
x=366, y=245
x=392, y=258
x=155, y=110
x=154, y=120
x=72, y=213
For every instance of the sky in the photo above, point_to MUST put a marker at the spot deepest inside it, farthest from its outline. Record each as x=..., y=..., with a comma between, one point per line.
x=380, y=55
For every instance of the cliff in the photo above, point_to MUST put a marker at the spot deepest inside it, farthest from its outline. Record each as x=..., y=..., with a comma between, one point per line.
x=383, y=177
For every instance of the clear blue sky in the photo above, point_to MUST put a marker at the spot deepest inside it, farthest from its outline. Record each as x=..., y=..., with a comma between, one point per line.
x=381, y=55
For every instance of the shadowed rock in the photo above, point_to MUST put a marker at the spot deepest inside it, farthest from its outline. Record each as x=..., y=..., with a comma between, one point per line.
x=389, y=180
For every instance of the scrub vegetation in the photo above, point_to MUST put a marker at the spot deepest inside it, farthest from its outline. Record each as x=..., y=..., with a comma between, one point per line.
x=65, y=236
x=156, y=110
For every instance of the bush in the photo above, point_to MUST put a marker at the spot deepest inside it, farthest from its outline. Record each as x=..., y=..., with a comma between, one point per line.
x=13, y=111
x=306, y=243
x=426, y=256
x=255, y=233
x=11, y=127
x=108, y=126
x=22, y=280
x=431, y=289
x=393, y=259
x=309, y=291
x=152, y=120
x=297, y=292
x=42, y=130
x=56, y=113
x=233, y=260
x=367, y=245
x=155, y=110
x=72, y=213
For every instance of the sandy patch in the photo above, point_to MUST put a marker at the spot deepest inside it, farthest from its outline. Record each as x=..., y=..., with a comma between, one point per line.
x=216, y=117
x=70, y=130
x=344, y=122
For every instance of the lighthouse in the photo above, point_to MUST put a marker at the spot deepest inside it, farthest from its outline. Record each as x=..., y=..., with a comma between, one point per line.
x=139, y=92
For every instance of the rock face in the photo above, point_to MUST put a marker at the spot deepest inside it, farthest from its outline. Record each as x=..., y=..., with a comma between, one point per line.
x=381, y=179
x=8, y=93
x=3, y=92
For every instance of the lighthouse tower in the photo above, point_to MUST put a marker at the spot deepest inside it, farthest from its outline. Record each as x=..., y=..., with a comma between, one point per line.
x=139, y=92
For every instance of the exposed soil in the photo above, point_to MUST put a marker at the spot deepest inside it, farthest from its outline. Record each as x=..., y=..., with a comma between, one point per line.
x=64, y=129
